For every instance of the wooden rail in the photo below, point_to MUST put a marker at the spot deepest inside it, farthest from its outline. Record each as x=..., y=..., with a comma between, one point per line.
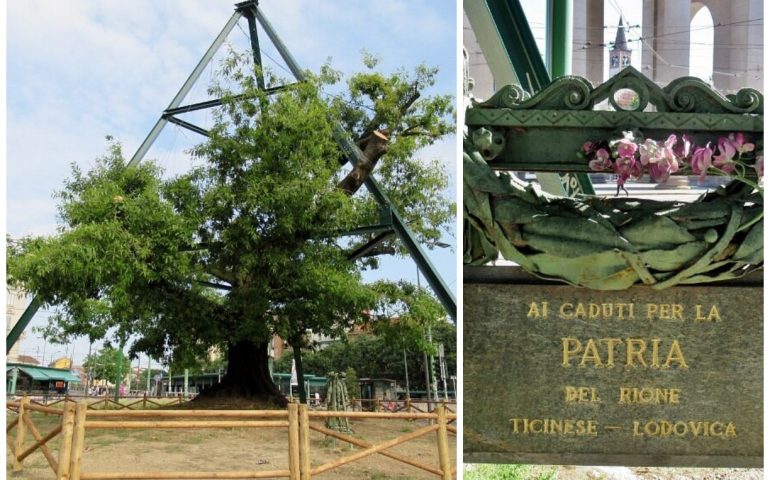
x=77, y=419
x=100, y=403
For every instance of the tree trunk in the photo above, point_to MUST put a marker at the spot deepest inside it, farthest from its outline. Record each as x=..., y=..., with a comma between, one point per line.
x=297, y=350
x=248, y=375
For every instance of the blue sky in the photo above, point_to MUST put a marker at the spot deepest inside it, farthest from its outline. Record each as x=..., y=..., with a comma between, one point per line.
x=83, y=69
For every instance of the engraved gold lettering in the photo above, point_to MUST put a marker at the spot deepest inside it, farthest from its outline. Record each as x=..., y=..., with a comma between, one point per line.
x=568, y=352
x=680, y=428
x=714, y=314
x=655, y=363
x=631, y=353
x=553, y=426
x=591, y=353
x=611, y=342
x=625, y=395
x=677, y=311
x=675, y=354
x=581, y=395
x=533, y=311
x=649, y=396
x=563, y=310
x=652, y=310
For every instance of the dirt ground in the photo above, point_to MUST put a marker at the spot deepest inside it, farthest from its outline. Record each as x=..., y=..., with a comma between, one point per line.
x=238, y=449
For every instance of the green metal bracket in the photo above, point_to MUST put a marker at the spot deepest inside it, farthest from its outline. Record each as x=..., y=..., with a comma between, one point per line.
x=524, y=127
x=519, y=43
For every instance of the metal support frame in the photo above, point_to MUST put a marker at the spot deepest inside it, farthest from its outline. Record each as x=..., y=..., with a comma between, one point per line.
x=187, y=125
x=443, y=293
x=186, y=87
x=519, y=44
x=364, y=249
x=250, y=9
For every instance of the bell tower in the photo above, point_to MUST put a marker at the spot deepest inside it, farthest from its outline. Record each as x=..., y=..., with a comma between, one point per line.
x=620, y=55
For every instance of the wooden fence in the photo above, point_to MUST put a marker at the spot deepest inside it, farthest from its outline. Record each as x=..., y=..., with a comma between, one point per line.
x=95, y=403
x=76, y=419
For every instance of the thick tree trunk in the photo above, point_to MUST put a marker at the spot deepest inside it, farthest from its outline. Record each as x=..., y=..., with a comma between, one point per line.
x=248, y=375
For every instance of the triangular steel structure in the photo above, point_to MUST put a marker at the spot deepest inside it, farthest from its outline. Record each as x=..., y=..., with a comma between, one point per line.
x=393, y=223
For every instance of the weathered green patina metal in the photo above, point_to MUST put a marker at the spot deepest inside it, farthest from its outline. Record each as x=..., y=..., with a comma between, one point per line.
x=526, y=126
x=606, y=243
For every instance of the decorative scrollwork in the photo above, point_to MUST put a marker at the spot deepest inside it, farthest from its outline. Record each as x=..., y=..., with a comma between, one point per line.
x=686, y=94
x=748, y=100
x=507, y=97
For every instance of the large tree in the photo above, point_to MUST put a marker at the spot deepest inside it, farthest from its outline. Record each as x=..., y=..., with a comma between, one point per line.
x=247, y=243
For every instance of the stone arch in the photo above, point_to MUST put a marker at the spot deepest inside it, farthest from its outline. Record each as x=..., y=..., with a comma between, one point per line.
x=734, y=67
x=701, y=55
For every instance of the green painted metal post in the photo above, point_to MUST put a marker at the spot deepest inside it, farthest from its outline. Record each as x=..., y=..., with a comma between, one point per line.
x=559, y=32
x=149, y=371
x=14, y=378
x=559, y=59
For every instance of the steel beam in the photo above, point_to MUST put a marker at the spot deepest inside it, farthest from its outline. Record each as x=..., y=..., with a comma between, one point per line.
x=364, y=249
x=254, y=37
x=187, y=125
x=443, y=293
x=528, y=65
x=26, y=317
x=188, y=84
x=217, y=101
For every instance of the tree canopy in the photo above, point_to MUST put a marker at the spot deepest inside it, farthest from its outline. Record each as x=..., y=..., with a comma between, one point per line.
x=247, y=243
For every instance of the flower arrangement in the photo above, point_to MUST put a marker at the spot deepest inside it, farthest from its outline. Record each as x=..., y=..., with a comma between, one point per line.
x=632, y=156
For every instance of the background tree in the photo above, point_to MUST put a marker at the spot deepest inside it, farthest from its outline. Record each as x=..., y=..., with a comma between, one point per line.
x=107, y=364
x=258, y=219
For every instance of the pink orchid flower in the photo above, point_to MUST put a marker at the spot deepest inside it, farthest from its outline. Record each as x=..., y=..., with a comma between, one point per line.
x=739, y=143
x=682, y=150
x=601, y=162
x=727, y=151
x=649, y=152
x=759, y=166
x=626, y=147
x=588, y=147
x=701, y=161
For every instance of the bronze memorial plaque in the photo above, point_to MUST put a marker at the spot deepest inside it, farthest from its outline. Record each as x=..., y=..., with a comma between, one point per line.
x=563, y=375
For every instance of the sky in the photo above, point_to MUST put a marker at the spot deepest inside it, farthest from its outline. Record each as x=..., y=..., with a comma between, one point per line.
x=80, y=70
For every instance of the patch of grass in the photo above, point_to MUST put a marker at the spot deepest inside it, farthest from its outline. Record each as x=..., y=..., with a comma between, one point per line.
x=507, y=472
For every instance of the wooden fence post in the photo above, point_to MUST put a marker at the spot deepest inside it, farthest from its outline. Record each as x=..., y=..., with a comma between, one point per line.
x=65, y=450
x=21, y=429
x=78, y=439
x=443, y=443
x=304, y=442
x=294, y=473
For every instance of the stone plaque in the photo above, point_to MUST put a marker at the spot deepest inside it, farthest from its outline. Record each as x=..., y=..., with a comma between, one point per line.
x=560, y=375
